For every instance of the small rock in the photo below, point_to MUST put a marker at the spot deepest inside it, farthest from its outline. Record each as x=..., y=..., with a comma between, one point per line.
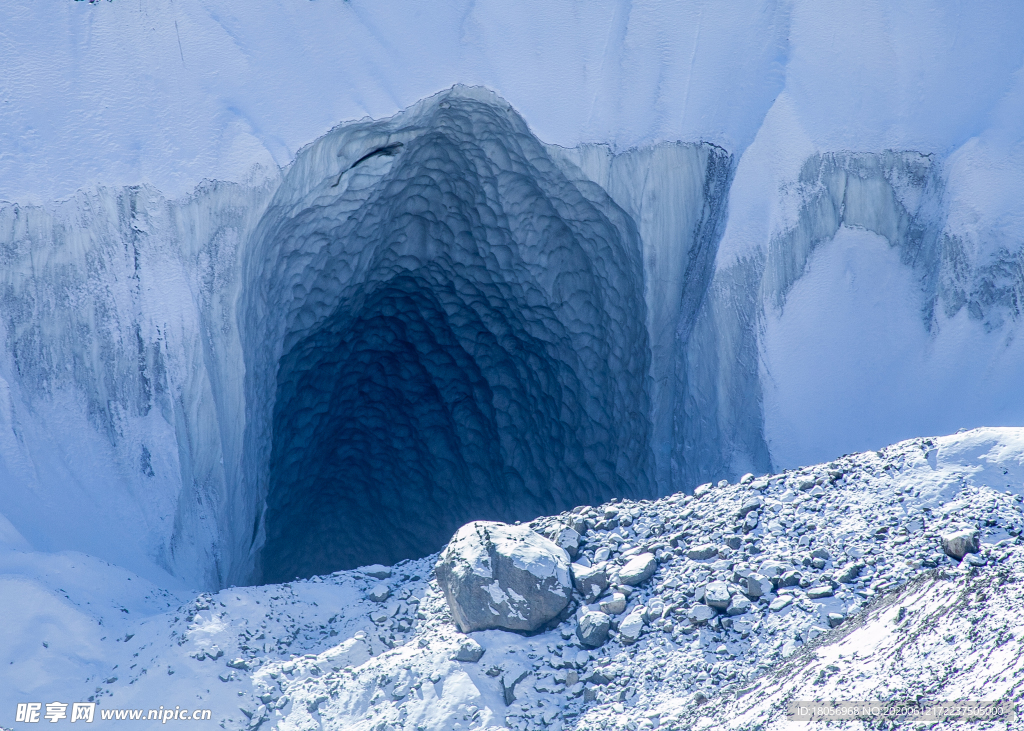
x=749, y=505
x=820, y=553
x=631, y=626
x=590, y=582
x=820, y=592
x=379, y=592
x=592, y=628
x=834, y=620
x=758, y=585
x=469, y=651
x=747, y=479
x=849, y=574
x=716, y=594
x=780, y=603
x=959, y=544
x=568, y=539
x=638, y=569
x=702, y=552
x=772, y=569
x=701, y=614
x=655, y=610
x=738, y=605
x=376, y=570
x=615, y=604
x=975, y=560
x=790, y=578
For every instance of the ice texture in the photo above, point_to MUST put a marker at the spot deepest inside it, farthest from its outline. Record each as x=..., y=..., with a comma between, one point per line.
x=440, y=326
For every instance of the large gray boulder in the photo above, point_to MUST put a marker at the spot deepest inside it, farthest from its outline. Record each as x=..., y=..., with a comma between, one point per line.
x=498, y=576
x=959, y=544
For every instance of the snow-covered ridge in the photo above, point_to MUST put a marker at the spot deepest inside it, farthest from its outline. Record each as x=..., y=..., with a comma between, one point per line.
x=562, y=325
x=852, y=547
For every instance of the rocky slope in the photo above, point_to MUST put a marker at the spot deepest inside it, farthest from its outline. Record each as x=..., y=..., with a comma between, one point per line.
x=827, y=582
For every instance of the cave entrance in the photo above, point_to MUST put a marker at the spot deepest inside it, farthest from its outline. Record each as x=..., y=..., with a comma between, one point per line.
x=414, y=410
x=451, y=332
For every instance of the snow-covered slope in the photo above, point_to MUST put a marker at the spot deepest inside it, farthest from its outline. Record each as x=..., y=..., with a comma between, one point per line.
x=911, y=623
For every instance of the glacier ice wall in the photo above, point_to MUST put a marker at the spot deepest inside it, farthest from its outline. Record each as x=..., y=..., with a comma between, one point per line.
x=120, y=374
x=439, y=327
x=435, y=318
x=677, y=194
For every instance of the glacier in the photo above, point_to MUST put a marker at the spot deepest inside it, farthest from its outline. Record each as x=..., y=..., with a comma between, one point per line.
x=436, y=317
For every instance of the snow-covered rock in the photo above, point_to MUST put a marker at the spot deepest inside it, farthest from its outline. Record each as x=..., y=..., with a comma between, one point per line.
x=503, y=576
x=319, y=651
x=960, y=543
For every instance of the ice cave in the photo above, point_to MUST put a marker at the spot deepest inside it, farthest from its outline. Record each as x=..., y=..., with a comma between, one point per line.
x=455, y=331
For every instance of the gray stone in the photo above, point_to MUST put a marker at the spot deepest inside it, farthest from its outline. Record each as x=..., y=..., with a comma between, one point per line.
x=498, y=576
x=758, y=585
x=615, y=604
x=772, y=569
x=849, y=574
x=592, y=628
x=820, y=592
x=469, y=651
x=975, y=560
x=631, y=626
x=749, y=505
x=820, y=553
x=376, y=571
x=590, y=582
x=702, y=552
x=379, y=592
x=738, y=605
x=834, y=620
x=959, y=544
x=790, y=578
x=701, y=614
x=568, y=539
x=638, y=569
x=655, y=610
x=716, y=594
x=780, y=603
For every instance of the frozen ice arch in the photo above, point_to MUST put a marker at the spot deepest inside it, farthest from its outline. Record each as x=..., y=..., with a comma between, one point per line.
x=447, y=330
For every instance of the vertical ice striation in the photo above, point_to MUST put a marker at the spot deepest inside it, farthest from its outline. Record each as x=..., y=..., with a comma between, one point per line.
x=120, y=373
x=676, y=193
x=440, y=326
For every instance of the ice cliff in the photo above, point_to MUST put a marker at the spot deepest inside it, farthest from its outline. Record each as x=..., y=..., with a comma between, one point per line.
x=436, y=318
